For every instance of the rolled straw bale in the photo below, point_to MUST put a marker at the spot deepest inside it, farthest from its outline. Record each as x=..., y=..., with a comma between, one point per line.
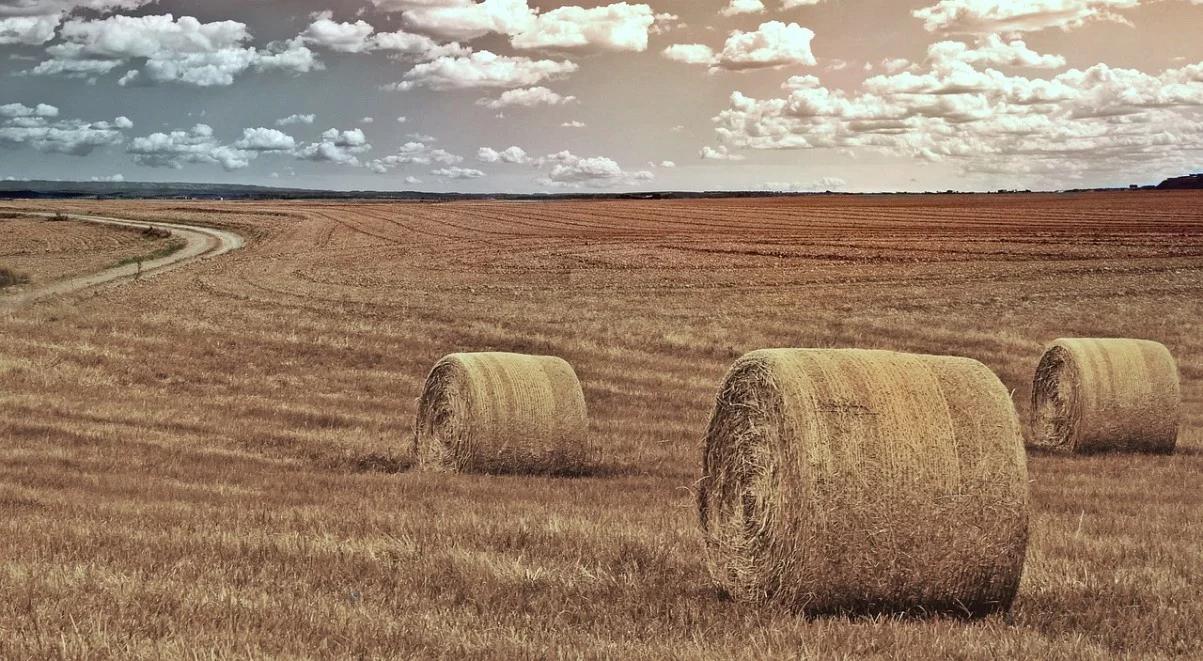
x=865, y=482
x=501, y=412
x=1094, y=395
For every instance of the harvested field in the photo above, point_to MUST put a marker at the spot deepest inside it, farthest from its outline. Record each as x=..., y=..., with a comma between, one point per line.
x=49, y=250
x=216, y=460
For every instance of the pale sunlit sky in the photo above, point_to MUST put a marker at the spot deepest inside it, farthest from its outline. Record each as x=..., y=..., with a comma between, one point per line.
x=526, y=96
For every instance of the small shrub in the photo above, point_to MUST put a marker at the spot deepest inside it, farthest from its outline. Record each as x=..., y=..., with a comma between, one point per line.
x=152, y=232
x=9, y=277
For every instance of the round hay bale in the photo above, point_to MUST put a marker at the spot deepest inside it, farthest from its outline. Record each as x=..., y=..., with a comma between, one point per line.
x=1095, y=395
x=865, y=482
x=501, y=413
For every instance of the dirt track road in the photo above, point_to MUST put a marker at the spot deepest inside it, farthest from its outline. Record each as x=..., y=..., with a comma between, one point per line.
x=201, y=243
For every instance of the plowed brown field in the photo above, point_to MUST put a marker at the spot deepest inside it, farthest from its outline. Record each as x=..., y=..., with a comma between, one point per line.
x=215, y=460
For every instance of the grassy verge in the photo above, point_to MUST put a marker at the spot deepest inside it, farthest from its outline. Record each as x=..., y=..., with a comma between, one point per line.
x=9, y=277
x=173, y=246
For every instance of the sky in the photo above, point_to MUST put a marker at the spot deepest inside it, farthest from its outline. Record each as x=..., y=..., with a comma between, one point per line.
x=540, y=96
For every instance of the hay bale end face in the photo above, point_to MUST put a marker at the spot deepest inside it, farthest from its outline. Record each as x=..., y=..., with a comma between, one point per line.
x=501, y=413
x=1096, y=395
x=865, y=482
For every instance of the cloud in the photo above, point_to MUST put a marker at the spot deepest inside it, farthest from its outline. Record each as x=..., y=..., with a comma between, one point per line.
x=28, y=30
x=264, y=139
x=690, y=53
x=34, y=22
x=818, y=185
x=296, y=119
x=515, y=155
x=742, y=7
x=719, y=153
x=413, y=153
x=196, y=145
x=462, y=19
x=616, y=27
x=169, y=50
x=774, y=44
x=455, y=172
x=569, y=170
x=993, y=16
x=574, y=124
x=11, y=110
x=619, y=26
x=45, y=7
x=1100, y=119
x=992, y=51
x=484, y=69
x=40, y=128
x=526, y=97
x=361, y=37
x=340, y=37
x=340, y=147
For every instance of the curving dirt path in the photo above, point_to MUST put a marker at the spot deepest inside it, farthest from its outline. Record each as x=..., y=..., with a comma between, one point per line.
x=200, y=243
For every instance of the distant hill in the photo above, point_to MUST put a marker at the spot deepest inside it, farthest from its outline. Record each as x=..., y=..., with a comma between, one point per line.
x=1189, y=182
x=184, y=191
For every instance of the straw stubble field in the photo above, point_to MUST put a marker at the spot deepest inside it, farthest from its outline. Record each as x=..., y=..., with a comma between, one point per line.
x=217, y=460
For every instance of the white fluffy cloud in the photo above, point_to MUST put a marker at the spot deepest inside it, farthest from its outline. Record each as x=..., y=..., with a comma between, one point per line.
x=484, y=69
x=526, y=97
x=565, y=169
x=296, y=119
x=413, y=153
x=992, y=51
x=1100, y=119
x=34, y=22
x=340, y=147
x=40, y=128
x=168, y=50
x=456, y=172
x=820, y=184
x=44, y=7
x=616, y=27
x=264, y=140
x=28, y=30
x=774, y=44
x=516, y=155
x=361, y=37
x=619, y=26
x=178, y=148
x=991, y=16
x=735, y=7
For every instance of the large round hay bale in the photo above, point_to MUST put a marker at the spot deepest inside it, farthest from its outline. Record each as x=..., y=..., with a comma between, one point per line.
x=501, y=412
x=1094, y=395
x=865, y=482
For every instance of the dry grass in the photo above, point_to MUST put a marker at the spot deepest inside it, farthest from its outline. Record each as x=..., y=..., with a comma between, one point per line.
x=47, y=250
x=213, y=461
x=849, y=481
x=1101, y=394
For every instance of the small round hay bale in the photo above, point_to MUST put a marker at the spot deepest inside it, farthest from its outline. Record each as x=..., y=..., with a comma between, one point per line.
x=501, y=413
x=1096, y=395
x=865, y=482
